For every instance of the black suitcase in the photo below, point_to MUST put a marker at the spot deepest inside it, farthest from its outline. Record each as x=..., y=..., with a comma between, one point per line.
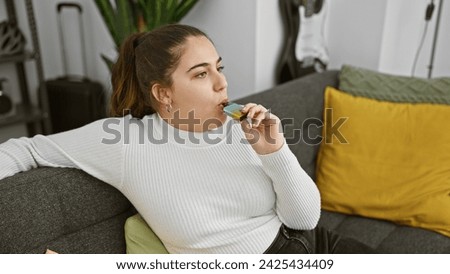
x=74, y=101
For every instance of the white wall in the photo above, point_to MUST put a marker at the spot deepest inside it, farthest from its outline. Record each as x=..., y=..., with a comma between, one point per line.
x=354, y=31
x=401, y=40
x=384, y=36
x=268, y=44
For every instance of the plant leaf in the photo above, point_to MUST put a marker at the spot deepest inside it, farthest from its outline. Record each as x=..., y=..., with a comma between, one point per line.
x=131, y=16
x=109, y=63
x=171, y=8
x=158, y=12
x=183, y=8
x=148, y=11
x=124, y=22
x=106, y=10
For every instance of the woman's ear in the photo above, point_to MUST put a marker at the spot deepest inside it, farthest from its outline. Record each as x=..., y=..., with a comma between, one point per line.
x=162, y=94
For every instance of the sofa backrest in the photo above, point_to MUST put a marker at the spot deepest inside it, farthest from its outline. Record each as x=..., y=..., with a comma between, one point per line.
x=299, y=104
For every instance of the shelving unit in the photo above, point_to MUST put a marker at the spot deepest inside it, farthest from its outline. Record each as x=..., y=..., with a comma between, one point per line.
x=36, y=117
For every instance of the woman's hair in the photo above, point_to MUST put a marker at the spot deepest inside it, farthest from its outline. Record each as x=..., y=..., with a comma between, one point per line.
x=145, y=59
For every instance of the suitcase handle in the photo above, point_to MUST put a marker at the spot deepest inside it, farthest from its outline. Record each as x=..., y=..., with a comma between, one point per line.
x=63, y=5
x=59, y=8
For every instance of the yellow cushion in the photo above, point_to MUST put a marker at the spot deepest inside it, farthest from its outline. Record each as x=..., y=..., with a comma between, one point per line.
x=140, y=238
x=393, y=163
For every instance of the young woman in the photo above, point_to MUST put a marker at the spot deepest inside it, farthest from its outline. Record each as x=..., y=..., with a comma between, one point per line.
x=205, y=183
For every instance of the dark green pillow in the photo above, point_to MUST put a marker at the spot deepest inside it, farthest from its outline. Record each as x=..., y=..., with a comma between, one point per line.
x=385, y=87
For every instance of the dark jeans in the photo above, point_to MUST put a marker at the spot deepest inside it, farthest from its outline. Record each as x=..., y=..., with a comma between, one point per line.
x=317, y=241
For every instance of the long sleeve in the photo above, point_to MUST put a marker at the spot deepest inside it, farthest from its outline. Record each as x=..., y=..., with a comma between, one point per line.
x=298, y=198
x=88, y=148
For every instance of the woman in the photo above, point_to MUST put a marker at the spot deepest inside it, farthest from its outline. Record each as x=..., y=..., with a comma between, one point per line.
x=204, y=183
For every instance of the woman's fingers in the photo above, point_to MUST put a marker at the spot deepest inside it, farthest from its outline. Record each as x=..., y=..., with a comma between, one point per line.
x=255, y=112
x=247, y=107
x=264, y=133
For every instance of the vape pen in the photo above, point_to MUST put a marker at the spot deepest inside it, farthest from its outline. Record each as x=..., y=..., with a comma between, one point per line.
x=234, y=111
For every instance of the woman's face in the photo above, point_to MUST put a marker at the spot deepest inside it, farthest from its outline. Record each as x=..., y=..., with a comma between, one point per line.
x=199, y=87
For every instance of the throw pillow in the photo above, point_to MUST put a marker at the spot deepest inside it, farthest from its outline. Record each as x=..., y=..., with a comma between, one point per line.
x=375, y=85
x=392, y=161
x=140, y=238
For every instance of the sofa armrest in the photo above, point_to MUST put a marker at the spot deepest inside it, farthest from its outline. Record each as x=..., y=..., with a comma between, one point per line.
x=47, y=205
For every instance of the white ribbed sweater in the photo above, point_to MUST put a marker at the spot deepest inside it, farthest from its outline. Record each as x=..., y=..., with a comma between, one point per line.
x=198, y=197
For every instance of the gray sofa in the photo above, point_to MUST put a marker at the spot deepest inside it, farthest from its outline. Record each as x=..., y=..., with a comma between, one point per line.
x=62, y=209
x=71, y=212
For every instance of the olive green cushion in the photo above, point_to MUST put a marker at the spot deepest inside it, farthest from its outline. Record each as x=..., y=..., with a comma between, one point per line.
x=385, y=87
x=140, y=239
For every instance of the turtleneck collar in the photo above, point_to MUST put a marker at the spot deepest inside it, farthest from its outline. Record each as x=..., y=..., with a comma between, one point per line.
x=192, y=138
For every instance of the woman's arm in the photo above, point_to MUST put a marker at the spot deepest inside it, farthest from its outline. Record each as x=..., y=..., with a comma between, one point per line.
x=86, y=148
x=298, y=198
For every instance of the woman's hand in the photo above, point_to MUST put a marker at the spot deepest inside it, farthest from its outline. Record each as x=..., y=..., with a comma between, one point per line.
x=264, y=132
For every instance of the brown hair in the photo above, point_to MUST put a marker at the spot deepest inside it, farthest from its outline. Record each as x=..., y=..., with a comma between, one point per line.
x=145, y=59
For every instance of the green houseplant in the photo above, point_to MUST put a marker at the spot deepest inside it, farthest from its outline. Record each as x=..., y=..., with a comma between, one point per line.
x=124, y=17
